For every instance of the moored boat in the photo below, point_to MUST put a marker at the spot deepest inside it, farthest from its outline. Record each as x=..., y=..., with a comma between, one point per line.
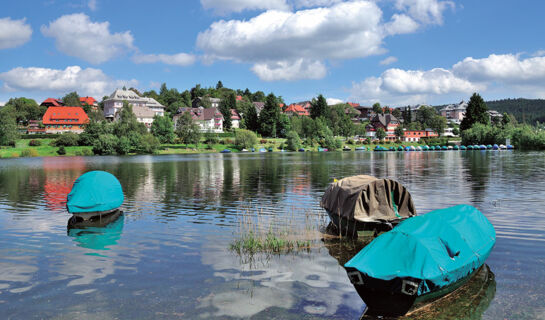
x=361, y=203
x=495, y=147
x=347, y=148
x=400, y=148
x=510, y=147
x=225, y=151
x=423, y=258
x=301, y=150
x=94, y=193
x=455, y=147
x=462, y=147
x=503, y=147
x=262, y=150
x=482, y=147
x=361, y=149
x=450, y=148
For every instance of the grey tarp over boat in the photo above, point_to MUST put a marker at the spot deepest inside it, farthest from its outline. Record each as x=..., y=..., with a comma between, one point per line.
x=367, y=199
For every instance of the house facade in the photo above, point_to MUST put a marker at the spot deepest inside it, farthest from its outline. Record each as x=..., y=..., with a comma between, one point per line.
x=454, y=112
x=416, y=135
x=64, y=119
x=387, y=122
x=208, y=119
x=235, y=119
x=200, y=102
x=114, y=103
x=51, y=102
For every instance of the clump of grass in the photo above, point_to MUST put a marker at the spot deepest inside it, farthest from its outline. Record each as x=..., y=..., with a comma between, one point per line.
x=29, y=153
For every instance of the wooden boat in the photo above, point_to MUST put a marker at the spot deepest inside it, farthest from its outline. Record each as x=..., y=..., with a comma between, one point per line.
x=95, y=193
x=423, y=258
x=366, y=203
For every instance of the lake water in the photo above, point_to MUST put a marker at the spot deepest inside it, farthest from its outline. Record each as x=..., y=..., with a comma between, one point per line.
x=168, y=256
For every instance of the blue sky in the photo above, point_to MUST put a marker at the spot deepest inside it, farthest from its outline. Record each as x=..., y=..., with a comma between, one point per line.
x=397, y=52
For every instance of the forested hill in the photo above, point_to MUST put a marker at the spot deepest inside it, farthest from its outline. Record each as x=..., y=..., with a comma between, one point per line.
x=525, y=110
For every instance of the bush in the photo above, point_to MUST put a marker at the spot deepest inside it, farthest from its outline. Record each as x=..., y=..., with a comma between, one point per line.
x=105, y=144
x=263, y=141
x=34, y=143
x=349, y=141
x=366, y=141
x=148, y=144
x=29, y=153
x=67, y=139
x=40, y=136
x=78, y=153
x=87, y=152
x=398, y=141
x=228, y=141
x=212, y=139
x=61, y=151
x=293, y=141
x=245, y=139
x=387, y=141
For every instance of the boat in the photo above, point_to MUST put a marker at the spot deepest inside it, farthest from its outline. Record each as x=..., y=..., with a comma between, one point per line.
x=425, y=148
x=94, y=194
x=423, y=258
x=470, y=147
x=253, y=149
x=366, y=203
x=503, y=147
x=392, y=149
x=225, y=151
x=489, y=147
x=450, y=148
x=262, y=150
x=495, y=147
x=456, y=148
x=419, y=148
x=320, y=149
x=270, y=149
x=482, y=147
x=444, y=148
x=301, y=150
x=400, y=148
x=346, y=148
x=380, y=148
x=510, y=147
x=412, y=148
x=462, y=147
x=361, y=149
x=244, y=150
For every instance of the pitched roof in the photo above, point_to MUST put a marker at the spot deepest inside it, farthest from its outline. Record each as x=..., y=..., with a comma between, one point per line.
x=52, y=101
x=65, y=115
x=295, y=108
x=87, y=100
x=202, y=114
x=384, y=119
x=235, y=115
x=353, y=104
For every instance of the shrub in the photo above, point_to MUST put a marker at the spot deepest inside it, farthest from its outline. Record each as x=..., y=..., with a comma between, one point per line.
x=349, y=141
x=67, y=139
x=228, y=141
x=34, y=143
x=245, y=139
x=87, y=152
x=29, y=153
x=293, y=141
x=212, y=139
x=387, y=141
x=263, y=141
x=105, y=144
x=124, y=146
x=78, y=153
x=366, y=141
x=398, y=141
x=148, y=144
x=61, y=151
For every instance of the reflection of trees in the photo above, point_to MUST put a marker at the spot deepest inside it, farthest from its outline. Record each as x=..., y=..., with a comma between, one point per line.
x=477, y=165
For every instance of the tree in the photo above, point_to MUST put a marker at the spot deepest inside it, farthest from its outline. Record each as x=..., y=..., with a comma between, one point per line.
x=269, y=117
x=26, y=109
x=438, y=124
x=105, y=144
x=163, y=128
x=219, y=85
x=92, y=131
x=455, y=131
x=319, y=108
x=377, y=108
x=399, y=132
x=251, y=120
x=381, y=134
x=225, y=108
x=8, y=126
x=476, y=112
x=127, y=122
x=396, y=113
x=71, y=99
x=283, y=126
x=187, y=130
x=293, y=141
x=426, y=115
x=67, y=139
x=245, y=139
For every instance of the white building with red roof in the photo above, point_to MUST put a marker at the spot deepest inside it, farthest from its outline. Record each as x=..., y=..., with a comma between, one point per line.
x=64, y=119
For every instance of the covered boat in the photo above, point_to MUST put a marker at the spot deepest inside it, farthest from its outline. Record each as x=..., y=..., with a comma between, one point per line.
x=421, y=259
x=301, y=150
x=94, y=193
x=455, y=148
x=400, y=148
x=347, y=148
x=225, y=151
x=361, y=149
x=363, y=202
x=462, y=147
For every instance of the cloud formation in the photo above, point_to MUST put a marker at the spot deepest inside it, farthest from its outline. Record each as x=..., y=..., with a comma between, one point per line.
x=424, y=11
x=223, y=7
x=179, y=59
x=388, y=60
x=509, y=72
x=290, y=70
x=87, y=81
x=14, y=33
x=76, y=35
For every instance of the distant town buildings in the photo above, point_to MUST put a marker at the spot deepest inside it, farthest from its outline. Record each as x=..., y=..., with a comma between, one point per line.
x=454, y=112
x=114, y=103
x=387, y=122
x=416, y=135
x=208, y=119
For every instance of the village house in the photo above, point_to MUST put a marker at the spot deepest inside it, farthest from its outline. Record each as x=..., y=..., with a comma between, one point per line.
x=35, y=127
x=143, y=115
x=454, y=112
x=416, y=135
x=296, y=109
x=64, y=119
x=235, y=119
x=203, y=101
x=387, y=122
x=208, y=119
x=258, y=106
x=114, y=103
x=51, y=102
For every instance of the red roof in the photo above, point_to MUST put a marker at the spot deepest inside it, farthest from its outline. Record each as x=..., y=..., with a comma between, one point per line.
x=234, y=115
x=87, y=100
x=295, y=108
x=52, y=102
x=239, y=98
x=353, y=104
x=65, y=115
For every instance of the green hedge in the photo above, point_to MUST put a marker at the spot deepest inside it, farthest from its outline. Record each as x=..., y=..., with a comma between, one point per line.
x=219, y=135
x=40, y=136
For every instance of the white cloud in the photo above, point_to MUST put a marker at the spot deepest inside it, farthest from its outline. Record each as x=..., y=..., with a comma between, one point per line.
x=506, y=68
x=76, y=35
x=92, y=4
x=86, y=81
x=227, y=6
x=290, y=70
x=306, y=37
x=388, y=60
x=401, y=24
x=314, y=3
x=539, y=53
x=179, y=59
x=333, y=101
x=14, y=33
x=425, y=11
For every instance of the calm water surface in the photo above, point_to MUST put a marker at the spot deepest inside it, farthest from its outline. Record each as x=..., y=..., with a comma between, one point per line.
x=168, y=256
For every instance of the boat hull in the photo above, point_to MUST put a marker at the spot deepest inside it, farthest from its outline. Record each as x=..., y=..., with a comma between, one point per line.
x=351, y=227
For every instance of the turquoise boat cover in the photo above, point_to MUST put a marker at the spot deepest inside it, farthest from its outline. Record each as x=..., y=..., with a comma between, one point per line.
x=442, y=246
x=95, y=191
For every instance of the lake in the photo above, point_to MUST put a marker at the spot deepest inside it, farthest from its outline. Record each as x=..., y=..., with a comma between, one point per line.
x=168, y=256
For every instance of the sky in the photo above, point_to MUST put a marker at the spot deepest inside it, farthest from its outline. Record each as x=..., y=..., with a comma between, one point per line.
x=396, y=52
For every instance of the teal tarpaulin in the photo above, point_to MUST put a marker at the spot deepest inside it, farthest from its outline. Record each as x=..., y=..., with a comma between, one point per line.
x=95, y=191
x=442, y=246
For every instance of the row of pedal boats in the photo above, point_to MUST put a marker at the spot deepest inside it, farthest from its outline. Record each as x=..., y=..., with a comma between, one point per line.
x=444, y=148
x=411, y=260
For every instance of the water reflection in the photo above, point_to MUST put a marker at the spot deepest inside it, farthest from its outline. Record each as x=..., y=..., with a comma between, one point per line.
x=99, y=233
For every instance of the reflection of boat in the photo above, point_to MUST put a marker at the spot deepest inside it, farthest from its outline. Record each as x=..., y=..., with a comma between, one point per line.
x=423, y=258
x=94, y=193
x=98, y=233
x=367, y=203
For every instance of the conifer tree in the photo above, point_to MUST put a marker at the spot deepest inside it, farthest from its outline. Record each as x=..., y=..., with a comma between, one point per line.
x=476, y=112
